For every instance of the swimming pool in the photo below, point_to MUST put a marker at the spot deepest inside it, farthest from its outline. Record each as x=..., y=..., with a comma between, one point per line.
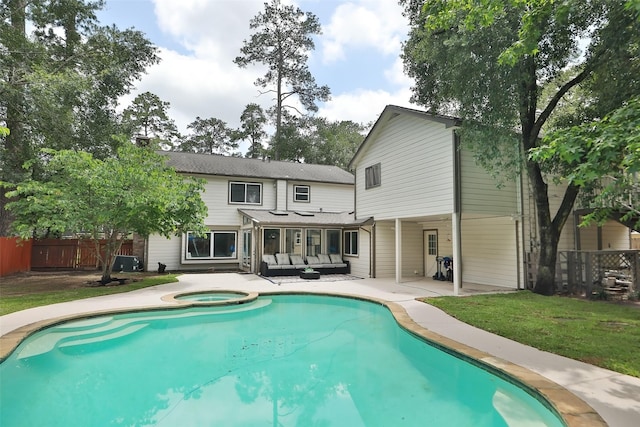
x=279, y=360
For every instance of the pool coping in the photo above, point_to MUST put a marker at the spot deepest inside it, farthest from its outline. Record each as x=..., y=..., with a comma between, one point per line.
x=574, y=411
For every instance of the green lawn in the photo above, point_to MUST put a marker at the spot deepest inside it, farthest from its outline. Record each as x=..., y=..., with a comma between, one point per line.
x=11, y=303
x=601, y=333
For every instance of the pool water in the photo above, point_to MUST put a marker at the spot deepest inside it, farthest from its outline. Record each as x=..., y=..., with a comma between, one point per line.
x=286, y=360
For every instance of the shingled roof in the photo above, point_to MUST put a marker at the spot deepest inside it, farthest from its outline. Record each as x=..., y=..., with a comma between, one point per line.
x=213, y=164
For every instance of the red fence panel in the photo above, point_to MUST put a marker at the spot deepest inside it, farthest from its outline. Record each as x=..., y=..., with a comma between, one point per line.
x=15, y=255
x=54, y=253
x=70, y=254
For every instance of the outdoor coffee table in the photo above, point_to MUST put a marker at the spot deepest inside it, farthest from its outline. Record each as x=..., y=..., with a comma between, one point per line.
x=313, y=274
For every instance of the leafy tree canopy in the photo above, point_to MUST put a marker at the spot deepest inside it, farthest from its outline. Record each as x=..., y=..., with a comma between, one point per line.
x=603, y=157
x=61, y=75
x=253, y=120
x=148, y=116
x=133, y=192
x=209, y=136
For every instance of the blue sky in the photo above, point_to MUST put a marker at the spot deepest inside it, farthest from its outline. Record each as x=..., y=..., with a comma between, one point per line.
x=357, y=55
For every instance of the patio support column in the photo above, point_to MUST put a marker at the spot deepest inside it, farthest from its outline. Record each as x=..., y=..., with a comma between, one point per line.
x=457, y=253
x=398, y=250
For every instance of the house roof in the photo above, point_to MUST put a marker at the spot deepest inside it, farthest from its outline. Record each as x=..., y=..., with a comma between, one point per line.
x=273, y=217
x=391, y=111
x=215, y=164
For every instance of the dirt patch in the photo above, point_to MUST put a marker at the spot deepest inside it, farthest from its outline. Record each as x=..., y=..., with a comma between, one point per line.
x=38, y=282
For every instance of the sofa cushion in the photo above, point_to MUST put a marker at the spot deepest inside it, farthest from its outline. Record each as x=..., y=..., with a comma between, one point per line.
x=324, y=258
x=315, y=262
x=297, y=261
x=283, y=259
x=269, y=259
x=336, y=259
x=337, y=262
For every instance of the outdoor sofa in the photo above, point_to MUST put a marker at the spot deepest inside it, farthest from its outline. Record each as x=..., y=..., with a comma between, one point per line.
x=283, y=264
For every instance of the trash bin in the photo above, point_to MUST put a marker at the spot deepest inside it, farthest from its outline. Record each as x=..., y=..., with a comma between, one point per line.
x=126, y=263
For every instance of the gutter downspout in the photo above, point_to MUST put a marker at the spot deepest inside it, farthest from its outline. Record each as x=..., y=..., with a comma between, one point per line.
x=521, y=256
x=456, y=233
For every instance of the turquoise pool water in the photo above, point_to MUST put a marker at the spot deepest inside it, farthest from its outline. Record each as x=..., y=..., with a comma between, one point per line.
x=289, y=360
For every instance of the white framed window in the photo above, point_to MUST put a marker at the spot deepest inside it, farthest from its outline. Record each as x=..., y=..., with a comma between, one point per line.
x=249, y=193
x=212, y=245
x=372, y=176
x=351, y=242
x=301, y=193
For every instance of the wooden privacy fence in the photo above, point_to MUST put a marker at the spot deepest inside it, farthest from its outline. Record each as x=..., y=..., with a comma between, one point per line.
x=15, y=255
x=70, y=254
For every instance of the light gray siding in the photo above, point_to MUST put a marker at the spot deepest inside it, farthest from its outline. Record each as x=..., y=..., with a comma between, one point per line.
x=166, y=251
x=412, y=250
x=323, y=196
x=385, y=250
x=489, y=251
x=416, y=158
x=479, y=190
x=281, y=194
x=613, y=236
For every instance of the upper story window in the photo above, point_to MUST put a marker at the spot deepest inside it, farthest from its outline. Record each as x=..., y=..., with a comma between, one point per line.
x=301, y=193
x=372, y=176
x=245, y=192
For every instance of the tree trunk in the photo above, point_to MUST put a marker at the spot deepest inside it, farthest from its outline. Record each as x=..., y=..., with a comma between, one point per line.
x=545, y=278
x=16, y=148
x=549, y=230
x=111, y=250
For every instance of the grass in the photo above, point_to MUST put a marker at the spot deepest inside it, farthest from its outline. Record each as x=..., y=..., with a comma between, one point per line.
x=12, y=303
x=599, y=333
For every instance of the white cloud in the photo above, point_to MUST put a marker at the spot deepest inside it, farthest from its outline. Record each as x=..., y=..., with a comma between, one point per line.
x=207, y=27
x=395, y=75
x=196, y=86
x=364, y=106
x=377, y=25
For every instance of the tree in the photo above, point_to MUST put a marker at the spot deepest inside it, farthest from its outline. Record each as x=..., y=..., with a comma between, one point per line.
x=147, y=116
x=282, y=42
x=209, y=136
x=487, y=63
x=133, y=192
x=603, y=157
x=251, y=129
x=333, y=143
x=60, y=81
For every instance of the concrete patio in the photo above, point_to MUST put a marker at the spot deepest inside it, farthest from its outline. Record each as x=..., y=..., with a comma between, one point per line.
x=614, y=396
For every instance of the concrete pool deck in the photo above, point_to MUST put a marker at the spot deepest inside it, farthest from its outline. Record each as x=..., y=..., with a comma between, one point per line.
x=614, y=396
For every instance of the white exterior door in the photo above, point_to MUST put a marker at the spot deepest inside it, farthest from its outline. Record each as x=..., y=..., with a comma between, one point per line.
x=430, y=252
x=246, y=249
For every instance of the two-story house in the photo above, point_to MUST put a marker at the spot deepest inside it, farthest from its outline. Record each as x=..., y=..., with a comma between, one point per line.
x=257, y=207
x=429, y=199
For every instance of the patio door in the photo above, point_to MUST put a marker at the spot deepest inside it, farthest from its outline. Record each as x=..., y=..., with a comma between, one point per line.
x=430, y=252
x=246, y=249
